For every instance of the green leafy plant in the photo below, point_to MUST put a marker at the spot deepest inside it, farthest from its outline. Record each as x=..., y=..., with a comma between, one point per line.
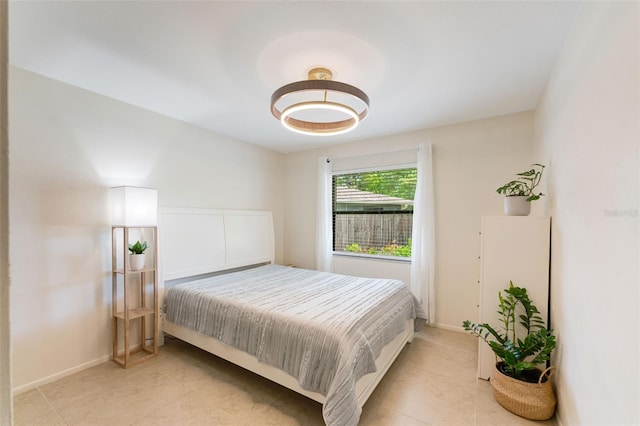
x=392, y=249
x=519, y=354
x=353, y=248
x=138, y=247
x=524, y=184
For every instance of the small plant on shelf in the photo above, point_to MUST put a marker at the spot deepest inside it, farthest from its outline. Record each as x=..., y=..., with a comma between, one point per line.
x=136, y=255
x=138, y=247
x=525, y=184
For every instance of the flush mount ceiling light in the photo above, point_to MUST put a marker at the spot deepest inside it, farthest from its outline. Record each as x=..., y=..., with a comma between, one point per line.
x=319, y=106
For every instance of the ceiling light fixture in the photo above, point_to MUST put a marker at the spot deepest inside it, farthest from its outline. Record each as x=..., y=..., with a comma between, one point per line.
x=319, y=106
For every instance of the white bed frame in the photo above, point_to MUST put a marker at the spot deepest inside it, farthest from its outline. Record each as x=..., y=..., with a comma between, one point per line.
x=197, y=241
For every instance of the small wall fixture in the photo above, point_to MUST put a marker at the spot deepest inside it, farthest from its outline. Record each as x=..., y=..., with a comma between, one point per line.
x=319, y=106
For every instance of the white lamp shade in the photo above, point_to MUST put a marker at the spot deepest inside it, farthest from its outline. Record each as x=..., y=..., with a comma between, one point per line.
x=132, y=206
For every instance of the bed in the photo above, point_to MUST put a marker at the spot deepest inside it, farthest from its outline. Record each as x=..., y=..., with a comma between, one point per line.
x=329, y=337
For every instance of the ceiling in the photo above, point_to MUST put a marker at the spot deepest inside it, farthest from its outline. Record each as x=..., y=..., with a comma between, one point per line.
x=215, y=64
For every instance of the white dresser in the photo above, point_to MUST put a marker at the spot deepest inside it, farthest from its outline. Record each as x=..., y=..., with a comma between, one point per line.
x=513, y=248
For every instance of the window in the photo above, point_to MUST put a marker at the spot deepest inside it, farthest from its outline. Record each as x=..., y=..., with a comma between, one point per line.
x=373, y=212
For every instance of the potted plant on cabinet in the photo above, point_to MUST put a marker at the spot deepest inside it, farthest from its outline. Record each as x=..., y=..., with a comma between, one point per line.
x=136, y=255
x=520, y=192
x=523, y=343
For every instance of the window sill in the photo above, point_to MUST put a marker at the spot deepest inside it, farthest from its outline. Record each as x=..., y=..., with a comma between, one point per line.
x=394, y=259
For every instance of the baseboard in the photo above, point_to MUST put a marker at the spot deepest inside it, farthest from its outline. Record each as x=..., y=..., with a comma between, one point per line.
x=52, y=378
x=448, y=327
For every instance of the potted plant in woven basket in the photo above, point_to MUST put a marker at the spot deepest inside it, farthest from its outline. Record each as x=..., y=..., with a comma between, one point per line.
x=520, y=346
x=519, y=193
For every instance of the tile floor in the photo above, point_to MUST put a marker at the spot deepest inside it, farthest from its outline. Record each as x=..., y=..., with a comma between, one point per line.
x=431, y=383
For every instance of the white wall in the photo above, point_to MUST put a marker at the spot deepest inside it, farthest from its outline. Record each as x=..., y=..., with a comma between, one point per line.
x=6, y=403
x=470, y=160
x=587, y=130
x=68, y=146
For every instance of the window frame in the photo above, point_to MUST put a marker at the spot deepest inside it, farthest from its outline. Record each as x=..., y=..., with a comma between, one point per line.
x=334, y=213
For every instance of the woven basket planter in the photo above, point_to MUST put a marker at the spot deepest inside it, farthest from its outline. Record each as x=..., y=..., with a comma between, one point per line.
x=535, y=401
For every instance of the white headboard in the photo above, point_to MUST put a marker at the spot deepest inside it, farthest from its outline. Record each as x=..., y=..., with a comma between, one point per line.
x=200, y=241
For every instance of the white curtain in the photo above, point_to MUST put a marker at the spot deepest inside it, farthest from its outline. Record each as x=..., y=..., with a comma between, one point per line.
x=423, y=235
x=324, y=234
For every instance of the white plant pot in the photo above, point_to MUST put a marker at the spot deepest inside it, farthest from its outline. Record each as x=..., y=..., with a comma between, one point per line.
x=136, y=262
x=517, y=206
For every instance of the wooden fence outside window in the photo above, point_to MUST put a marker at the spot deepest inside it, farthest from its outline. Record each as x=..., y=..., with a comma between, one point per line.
x=371, y=230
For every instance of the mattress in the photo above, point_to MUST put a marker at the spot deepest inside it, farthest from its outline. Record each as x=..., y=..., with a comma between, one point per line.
x=324, y=329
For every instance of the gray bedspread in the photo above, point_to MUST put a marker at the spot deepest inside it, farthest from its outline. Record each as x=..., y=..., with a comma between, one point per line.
x=324, y=329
